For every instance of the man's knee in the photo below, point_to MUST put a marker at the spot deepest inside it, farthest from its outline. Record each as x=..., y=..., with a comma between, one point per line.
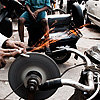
x=21, y=20
x=44, y=22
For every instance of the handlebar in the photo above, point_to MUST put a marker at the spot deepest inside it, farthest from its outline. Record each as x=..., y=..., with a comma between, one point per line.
x=80, y=86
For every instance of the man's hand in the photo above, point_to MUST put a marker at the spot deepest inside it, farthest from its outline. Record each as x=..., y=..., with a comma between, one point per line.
x=7, y=53
x=34, y=15
x=15, y=45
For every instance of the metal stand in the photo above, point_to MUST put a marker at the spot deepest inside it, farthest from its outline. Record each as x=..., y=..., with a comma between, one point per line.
x=32, y=81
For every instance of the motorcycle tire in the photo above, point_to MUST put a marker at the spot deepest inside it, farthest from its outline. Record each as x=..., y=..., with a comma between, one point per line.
x=78, y=17
x=61, y=57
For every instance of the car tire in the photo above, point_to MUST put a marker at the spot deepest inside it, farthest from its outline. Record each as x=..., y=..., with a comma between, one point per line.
x=77, y=14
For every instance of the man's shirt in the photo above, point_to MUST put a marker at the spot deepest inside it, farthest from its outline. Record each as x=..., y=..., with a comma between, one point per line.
x=37, y=4
x=2, y=39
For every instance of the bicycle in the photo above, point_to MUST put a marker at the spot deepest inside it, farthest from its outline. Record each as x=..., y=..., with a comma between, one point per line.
x=39, y=76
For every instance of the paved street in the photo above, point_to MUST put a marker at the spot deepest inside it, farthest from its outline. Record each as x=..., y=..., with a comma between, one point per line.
x=91, y=37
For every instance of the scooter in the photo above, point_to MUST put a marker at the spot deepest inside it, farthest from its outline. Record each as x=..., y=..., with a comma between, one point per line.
x=63, y=29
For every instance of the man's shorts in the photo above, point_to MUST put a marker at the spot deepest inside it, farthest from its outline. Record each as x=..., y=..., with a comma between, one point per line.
x=40, y=16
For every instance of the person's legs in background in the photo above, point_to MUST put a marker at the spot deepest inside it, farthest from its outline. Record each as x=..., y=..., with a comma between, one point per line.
x=44, y=24
x=45, y=28
x=21, y=22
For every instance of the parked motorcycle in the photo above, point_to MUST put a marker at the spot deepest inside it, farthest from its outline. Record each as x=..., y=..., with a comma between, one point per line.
x=63, y=29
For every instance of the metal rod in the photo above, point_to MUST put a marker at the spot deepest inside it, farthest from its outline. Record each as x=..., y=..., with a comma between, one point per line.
x=97, y=90
x=79, y=85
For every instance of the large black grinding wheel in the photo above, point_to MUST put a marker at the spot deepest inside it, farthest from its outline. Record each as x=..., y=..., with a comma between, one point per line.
x=36, y=62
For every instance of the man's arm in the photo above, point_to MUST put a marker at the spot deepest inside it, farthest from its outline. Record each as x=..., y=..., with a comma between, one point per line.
x=7, y=43
x=42, y=9
x=7, y=53
x=28, y=9
x=30, y=12
x=34, y=14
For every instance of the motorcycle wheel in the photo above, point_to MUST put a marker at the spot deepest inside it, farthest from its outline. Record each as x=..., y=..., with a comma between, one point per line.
x=78, y=17
x=60, y=57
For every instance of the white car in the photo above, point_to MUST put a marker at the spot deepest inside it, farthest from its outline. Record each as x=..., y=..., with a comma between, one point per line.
x=92, y=13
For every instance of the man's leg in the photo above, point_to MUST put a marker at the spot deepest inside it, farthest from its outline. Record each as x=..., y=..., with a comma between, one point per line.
x=21, y=22
x=45, y=27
